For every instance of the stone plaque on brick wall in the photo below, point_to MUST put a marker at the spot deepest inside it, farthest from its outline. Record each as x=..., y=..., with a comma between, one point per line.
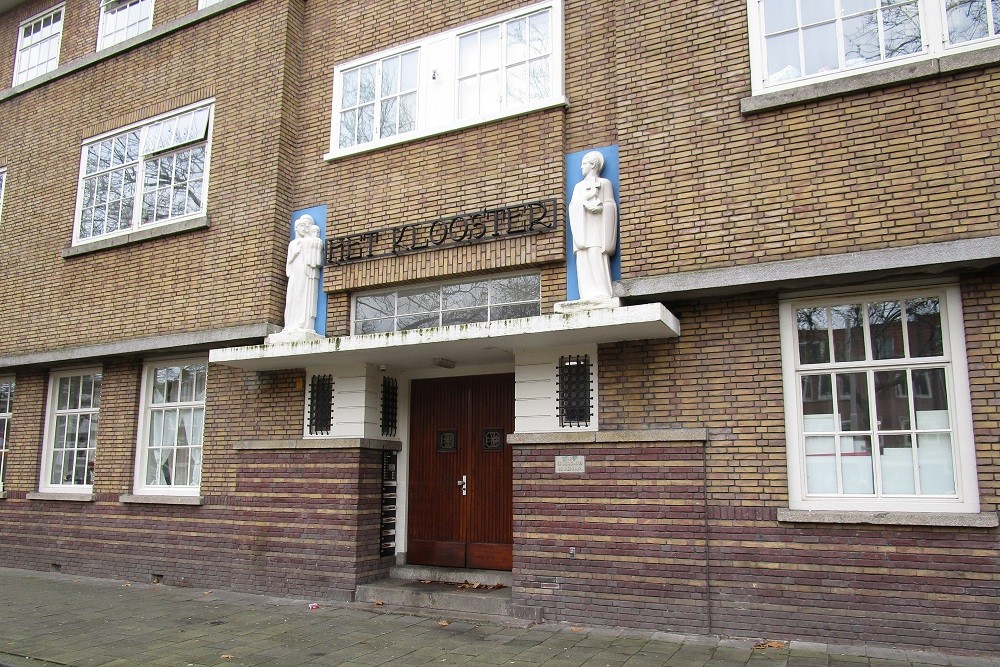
x=570, y=464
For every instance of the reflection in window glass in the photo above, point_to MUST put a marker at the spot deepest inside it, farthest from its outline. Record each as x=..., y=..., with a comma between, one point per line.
x=814, y=339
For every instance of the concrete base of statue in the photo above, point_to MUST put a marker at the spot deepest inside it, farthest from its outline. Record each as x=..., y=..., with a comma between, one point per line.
x=582, y=305
x=295, y=336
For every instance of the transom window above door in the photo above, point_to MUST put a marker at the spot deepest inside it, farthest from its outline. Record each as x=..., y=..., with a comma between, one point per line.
x=799, y=41
x=481, y=300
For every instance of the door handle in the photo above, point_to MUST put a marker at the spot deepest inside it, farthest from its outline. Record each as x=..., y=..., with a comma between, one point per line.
x=464, y=483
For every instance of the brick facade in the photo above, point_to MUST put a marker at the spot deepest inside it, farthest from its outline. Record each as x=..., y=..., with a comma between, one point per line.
x=672, y=533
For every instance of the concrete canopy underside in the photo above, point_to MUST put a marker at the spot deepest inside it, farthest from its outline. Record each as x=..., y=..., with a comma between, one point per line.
x=481, y=343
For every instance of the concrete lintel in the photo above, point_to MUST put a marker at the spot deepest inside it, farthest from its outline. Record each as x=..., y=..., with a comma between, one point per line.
x=623, y=436
x=956, y=520
x=169, y=342
x=824, y=270
x=66, y=497
x=200, y=222
x=321, y=443
x=161, y=500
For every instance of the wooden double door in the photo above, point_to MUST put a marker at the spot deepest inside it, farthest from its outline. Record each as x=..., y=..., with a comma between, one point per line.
x=461, y=472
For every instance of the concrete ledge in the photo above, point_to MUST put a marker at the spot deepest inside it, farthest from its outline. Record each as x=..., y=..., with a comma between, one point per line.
x=68, y=497
x=882, y=78
x=3, y=495
x=137, y=236
x=320, y=443
x=824, y=270
x=170, y=342
x=957, y=520
x=623, y=436
x=161, y=500
x=92, y=58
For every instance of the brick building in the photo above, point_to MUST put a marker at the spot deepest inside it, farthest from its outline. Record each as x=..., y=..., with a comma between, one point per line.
x=788, y=427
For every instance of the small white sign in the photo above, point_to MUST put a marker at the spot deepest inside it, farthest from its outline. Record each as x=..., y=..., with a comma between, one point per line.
x=566, y=464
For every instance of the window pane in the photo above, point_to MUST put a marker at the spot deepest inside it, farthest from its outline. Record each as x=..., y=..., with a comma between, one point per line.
x=937, y=467
x=517, y=41
x=366, y=84
x=816, y=11
x=923, y=328
x=348, y=125
x=538, y=79
x=387, y=122
x=902, y=31
x=422, y=301
x=468, y=54
x=390, y=76
x=514, y=311
x=966, y=20
x=848, y=333
x=852, y=401
x=848, y=7
x=856, y=464
x=892, y=402
x=817, y=404
x=465, y=316
x=886, y=330
x=366, y=123
x=349, y=91
x=517, y=84
x=896, y=457
x=930, y=398
x=821, y=464
x=814, y=345
x=820, y=46
x=408, y=71
x=424, y=321
x=489, y=49
x=515, y=288
x=783, y=57
x=489, y=93
x=861, y=40
x=374, y=326
x=538, y=34
x=368, y=307
x=465, y=295
x=468, y=97
x=779, y=15
x=408, y=112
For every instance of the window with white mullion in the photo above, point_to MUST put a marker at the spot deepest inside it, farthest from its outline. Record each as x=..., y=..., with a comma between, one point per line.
x=39, y=39
x=479, y=72
x=172, y=441
x=971, y=20
x=379, y=99
x=71, y=431
x=6, y=413
x=123, y=19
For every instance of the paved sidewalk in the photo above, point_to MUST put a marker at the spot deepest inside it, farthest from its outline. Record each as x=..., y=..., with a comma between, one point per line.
x=49, y=619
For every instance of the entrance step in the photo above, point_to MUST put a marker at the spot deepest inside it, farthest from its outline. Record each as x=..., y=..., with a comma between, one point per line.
x=442, y=590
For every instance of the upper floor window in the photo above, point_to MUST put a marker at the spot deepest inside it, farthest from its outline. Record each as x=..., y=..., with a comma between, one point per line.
x=800, y=41
x=878, y=414
x=6, y=412
x=172, y=433
x=38, y=41
x=484, y=300
x=148, y=174
x=122, y=19
x=487, y=70
x=71, y=430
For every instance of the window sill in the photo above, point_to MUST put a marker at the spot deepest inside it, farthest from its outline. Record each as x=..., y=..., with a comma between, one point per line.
x=957, y=520
x=870, y=80
x=169, y=229
x=61, y=496
x=130, y=498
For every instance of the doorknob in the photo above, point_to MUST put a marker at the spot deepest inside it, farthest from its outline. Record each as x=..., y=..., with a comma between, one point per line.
x=464, y=483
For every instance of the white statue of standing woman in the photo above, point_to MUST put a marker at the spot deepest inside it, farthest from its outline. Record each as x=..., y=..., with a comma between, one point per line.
x=302, y=266
x=593, y=220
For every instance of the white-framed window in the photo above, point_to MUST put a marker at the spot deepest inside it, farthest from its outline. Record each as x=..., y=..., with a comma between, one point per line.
x=172, y=427
x=74, y=403
x=877, y=409
x=501, y=66
x=122, y=19
x=207, y=3
x=6, y=413
x=144, y=175
x=38, y=41
x=486, y=299
x=794, y=42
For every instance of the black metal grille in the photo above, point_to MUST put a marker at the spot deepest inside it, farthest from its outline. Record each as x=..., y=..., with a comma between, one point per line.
x=493, y=440
x=387, y=527
x=573, y=392
x=320, y=404
x=390, y=405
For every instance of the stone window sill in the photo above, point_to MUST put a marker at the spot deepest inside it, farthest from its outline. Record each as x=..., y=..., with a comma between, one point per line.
x=60, y=496
x=141, y=235
x=882, y=78
x=957, y=520
x=129, y=498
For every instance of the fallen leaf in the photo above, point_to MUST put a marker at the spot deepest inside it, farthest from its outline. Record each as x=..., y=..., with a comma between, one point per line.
x=443, y=623
x=769, y=644
x=313, y=605
x=379, y=603
x=426, y=581
x=126, y=585
x=207, y=593
x=227, y=656
x=576, y=629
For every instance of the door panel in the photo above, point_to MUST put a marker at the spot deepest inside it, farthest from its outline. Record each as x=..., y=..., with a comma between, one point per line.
x=459, y=427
